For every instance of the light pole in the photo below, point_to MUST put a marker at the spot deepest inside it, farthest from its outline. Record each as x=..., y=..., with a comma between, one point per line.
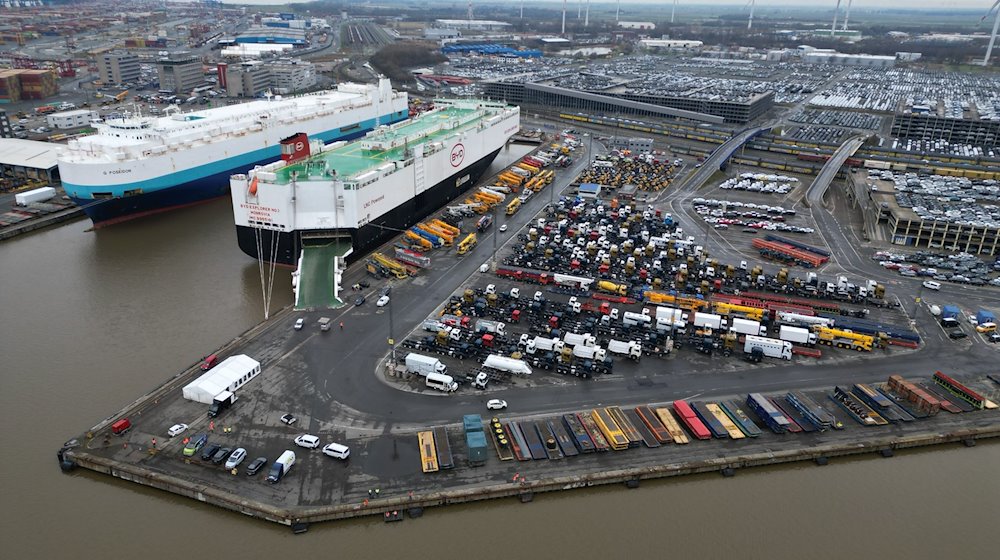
x=496, y=232
x=392, y=343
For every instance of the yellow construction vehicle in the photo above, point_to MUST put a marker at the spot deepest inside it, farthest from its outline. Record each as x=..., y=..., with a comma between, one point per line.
x=447, y=227
x=844, y=339
x=467, y=244
x=513, y=206
x=723, y=308
x=612, y=288
x=395, y=267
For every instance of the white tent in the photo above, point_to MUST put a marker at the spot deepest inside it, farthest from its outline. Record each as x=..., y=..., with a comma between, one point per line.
x=229, y=375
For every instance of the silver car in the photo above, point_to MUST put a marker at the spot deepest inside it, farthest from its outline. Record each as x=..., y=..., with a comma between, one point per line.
x=236, y=458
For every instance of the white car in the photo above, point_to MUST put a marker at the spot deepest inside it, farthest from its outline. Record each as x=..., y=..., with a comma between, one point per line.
x=337, y=450
x=236, y=458
x=932, y=285
x=382, y=301
x=288, y=419
x=308, y=441
x=496, y=404
x=177, y=429
x=299, y=323
x=503, y=228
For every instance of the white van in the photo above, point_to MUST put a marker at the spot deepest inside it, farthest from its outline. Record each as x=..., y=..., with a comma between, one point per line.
x=932, y=285
x=337, y=451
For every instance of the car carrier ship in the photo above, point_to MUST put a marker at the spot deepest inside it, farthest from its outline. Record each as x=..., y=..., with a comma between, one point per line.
x=345, y=198
x=137, y=165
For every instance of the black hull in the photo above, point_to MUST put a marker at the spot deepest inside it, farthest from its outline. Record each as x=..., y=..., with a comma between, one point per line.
x=371, y=235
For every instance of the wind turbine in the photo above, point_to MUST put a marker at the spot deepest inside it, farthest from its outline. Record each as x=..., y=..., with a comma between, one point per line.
x=836, y=12
x=618, y=9
x=847, y=15
x=564, y=18
x=586, y=15
x=993, y=36
x=752, y=4
x=672, y=10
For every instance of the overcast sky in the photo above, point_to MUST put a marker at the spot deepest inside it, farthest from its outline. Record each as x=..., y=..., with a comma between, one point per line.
x=935, y=4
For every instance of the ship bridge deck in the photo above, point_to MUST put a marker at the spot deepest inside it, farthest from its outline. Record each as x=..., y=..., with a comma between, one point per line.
x=378, y=148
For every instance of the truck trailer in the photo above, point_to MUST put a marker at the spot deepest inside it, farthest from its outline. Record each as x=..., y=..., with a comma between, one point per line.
x=769, y=347
x=797, y=335
x=221, y=402
x=424, y=365
x=709, y=320
x=510, y=365
x=746, y=326
x=475, y=439
x=631, y=349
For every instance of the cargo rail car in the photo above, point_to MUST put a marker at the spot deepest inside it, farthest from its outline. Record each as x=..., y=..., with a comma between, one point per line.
x=690, y=420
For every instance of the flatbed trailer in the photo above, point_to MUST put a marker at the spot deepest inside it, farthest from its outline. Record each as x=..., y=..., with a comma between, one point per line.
x=670, y=424
x=517, y=441
x=549, y=441
x=625, y=425
x=948, y=401
x=957, y=388
x=563, y=438
x=902, y=403
x=647, y=436
x=731, y=428
x=690, y=420
x=880, y=403
x=596, y=436
x=740, y=418
x=613, y=433
x=581, y=439
x=812, y=412
x=428, y=452
x=768, y=413
x=797, y=423
x=501, y=441
x=710, y=421
x=535, y=446
x=653, y=424
x=445, y=460
x=857, y=409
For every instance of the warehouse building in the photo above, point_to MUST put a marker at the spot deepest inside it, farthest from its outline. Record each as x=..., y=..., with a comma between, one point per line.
x=296, y=37
x=118, y=68
x=909, y=229
x=28, y=159
x=472, y=24
x=710, y=109
x=247, y=79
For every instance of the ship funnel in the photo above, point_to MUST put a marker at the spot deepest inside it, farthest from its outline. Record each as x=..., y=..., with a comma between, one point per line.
x=295, y=148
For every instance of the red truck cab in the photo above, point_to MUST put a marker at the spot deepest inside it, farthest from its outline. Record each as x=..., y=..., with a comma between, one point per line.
x=121, y=426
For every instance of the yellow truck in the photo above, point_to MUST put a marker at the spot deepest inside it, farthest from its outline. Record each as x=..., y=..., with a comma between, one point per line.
x=844, y=339
x=612, y=288
x=513, y=206
x=723, y=308
x=467, y=244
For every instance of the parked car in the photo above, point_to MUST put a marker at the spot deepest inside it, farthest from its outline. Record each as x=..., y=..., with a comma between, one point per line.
x=931, y=285
x=382, y=301
x=195, y=444
x=236, y=457
x=308, y=441
x=386, y=290
x=288, y=419
x=957, y=334
x=359, y=301
x=337, y=450
x=255, y=466
x=221, y=455
x=176, y=429
x=496, y=404
x=299, y=323
x=210, y=452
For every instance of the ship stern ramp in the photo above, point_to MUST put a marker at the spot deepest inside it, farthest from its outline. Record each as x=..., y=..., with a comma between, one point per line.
x=321, y=267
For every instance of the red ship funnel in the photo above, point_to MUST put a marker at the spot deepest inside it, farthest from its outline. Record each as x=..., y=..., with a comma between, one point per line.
x=295, y=147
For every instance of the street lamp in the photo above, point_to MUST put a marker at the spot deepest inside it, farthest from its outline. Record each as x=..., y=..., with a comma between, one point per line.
x=392, y=343
x=496, y=232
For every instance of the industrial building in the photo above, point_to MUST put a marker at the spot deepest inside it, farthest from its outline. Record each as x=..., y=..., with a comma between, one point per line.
x=71, y=119
x=922, y=126
x=909, y=229
x=28, y=159
x=840, y=59
x=622, y=100
x=438, y=33
x=291, y=74
x=247, y=79
x=670, y=44
x=278, y=35
x=179, y=72
x=118, y=68
x=252, y=78
x=472, y=24
x=633, y=144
